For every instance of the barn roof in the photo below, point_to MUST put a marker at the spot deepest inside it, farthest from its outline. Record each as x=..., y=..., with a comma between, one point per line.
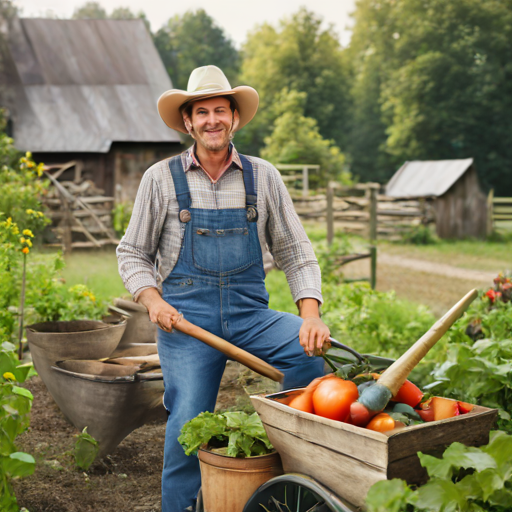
x=79, y=85
x=426, y=178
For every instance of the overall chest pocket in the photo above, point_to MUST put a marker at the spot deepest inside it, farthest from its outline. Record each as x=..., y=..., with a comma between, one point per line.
x=224, y=251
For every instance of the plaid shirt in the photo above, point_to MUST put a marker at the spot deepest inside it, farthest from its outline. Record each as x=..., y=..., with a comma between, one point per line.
x=151, y=245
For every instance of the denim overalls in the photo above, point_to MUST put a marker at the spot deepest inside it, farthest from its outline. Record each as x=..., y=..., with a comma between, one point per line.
x=218, y=284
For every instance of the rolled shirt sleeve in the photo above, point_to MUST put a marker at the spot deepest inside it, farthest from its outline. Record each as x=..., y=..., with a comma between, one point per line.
x=289, y=243
x=136, y=253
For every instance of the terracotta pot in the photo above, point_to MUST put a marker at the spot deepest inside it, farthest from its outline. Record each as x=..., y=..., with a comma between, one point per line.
x=227, y=483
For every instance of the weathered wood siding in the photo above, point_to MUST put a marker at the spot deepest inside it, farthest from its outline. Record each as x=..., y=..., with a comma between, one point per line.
x=462, y=211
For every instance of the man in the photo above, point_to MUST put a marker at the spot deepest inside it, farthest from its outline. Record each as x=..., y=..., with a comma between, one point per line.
x=200, y=223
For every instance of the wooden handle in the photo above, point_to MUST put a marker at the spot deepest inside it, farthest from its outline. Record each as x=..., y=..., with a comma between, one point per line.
x=254, y=363
x=397, y=373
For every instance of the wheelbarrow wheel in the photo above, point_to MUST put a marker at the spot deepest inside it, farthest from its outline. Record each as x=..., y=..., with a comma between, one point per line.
x=295, y=493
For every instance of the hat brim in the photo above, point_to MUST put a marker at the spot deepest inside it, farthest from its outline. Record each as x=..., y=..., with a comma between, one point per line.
x=169, y=104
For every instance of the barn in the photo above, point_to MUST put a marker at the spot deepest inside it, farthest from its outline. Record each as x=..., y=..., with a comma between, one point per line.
x=459, y=203
x=86, y=91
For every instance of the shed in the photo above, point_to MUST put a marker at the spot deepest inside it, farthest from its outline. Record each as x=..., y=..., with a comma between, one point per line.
x=86, y=90
x=452, y=185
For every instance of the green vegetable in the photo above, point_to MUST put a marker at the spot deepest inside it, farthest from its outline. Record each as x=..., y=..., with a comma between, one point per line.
x=86, y=449
x=235, y=434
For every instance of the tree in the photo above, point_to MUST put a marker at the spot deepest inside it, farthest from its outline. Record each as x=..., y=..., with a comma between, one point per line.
x=193, y=40
x=90, y=11
x=439, y=75
x=303, y=56
x=295, y=139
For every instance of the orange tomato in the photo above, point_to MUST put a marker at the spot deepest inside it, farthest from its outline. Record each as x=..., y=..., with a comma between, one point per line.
x=383, y=422
x=333, y=397
x=303, y=402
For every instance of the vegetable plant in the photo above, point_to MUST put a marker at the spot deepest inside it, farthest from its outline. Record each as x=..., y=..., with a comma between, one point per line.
x=465, y=479
x=235, y=434
x=15, y=403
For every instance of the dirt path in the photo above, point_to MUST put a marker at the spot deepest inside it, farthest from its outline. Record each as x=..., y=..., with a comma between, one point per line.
x=440, y=269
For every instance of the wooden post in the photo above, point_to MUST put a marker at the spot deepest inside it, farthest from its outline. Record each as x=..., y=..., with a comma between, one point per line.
x=490, y=212
x=330, y=213
x=373, y=214
x=373, y=266
x=305, y=182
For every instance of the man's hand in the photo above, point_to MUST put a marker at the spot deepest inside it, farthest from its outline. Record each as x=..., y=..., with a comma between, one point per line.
x=313, y=332
x=160, y=313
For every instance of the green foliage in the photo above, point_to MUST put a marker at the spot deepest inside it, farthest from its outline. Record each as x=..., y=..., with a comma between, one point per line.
x=90, y=11
x=480, y=371
x=15, y=405
x=419, y=235
x=121, y=215
x=85, y=450
x=235, y=434
x=430, y=82
x=296, y=140
x=299, y=55
x=465, y=479
x=371, y=321
x=193, y=40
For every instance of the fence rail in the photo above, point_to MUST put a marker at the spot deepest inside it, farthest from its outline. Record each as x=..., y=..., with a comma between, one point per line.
x=499, y=212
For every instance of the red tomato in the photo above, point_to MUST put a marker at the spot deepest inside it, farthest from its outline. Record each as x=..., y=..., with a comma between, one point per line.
x=408, y=394
x=381, y=423
x=303, y=402
x=333, y=397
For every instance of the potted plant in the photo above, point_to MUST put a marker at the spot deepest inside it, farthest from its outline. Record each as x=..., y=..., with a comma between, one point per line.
x=235, y=457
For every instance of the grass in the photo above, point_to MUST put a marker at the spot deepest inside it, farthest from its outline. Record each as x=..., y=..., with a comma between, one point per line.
x=98, y=270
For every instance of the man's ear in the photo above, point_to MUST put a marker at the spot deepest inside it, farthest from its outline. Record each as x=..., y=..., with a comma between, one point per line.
x=236, y=121
x=188, y=124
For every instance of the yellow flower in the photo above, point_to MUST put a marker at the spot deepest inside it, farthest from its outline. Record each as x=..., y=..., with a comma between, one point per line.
x=15, y=230
x=29, y=242
x=30, y=211
x=22, y=240
x=25, y=250
x=8, y=222
x=27, y=232
x=8, y=376
x=28, y=154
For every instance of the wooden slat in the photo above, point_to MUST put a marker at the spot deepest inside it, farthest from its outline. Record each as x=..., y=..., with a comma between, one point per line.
x=500, y=200
x=96, y=199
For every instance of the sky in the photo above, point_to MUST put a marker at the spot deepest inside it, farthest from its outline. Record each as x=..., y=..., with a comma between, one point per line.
x=236, y=17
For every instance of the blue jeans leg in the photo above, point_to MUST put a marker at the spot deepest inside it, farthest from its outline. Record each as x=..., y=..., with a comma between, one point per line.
x=192, y=373
x=274, y=337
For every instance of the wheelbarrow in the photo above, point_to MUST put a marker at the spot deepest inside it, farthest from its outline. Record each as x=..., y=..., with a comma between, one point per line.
x=330, y=465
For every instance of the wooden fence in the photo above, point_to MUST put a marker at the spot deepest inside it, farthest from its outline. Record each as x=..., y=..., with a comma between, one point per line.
x=361, y=210
x=499, y=213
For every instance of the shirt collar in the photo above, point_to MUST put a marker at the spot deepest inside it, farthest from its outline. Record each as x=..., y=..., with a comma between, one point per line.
x=192, y=162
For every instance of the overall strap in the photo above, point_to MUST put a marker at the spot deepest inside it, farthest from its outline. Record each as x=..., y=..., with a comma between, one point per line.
x=250, y=191
x=180, y=183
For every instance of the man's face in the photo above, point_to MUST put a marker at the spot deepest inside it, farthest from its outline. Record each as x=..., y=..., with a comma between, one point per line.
x=211, y=122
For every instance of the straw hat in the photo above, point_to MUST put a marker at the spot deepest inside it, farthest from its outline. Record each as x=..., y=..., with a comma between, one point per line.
x=206, y=82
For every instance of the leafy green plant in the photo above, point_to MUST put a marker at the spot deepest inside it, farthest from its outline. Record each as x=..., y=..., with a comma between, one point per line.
x=419, y=235
x=465, y=479
x=15, y=405
x=373, y=322
x=235, y=434
x=85, y=450
x=121, y=215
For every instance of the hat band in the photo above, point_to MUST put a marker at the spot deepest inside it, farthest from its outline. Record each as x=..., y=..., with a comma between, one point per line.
x=209, y=87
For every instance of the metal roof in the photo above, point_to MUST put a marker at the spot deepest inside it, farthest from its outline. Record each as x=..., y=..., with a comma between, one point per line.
x=426, y=178
x=80, y=85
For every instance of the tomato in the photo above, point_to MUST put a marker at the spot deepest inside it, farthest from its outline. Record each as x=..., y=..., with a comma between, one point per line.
x=408, y=394
x=303, y=402
x=333, y=397
x=383, y=422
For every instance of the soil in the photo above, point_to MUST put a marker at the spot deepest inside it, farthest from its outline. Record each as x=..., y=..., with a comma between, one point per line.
x=128, y=480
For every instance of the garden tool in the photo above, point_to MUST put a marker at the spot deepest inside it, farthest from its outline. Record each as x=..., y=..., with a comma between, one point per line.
x=375, y=398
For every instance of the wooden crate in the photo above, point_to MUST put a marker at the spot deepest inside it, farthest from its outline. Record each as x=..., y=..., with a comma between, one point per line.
x=350, y=459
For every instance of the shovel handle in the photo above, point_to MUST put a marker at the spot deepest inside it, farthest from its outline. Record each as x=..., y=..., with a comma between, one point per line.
x=233, y=352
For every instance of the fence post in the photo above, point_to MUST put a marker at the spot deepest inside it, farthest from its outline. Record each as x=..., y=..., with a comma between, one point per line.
x=330, y=213
x=373, y=213
x=373, y=266
x=305, y=182
x=490, y=212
